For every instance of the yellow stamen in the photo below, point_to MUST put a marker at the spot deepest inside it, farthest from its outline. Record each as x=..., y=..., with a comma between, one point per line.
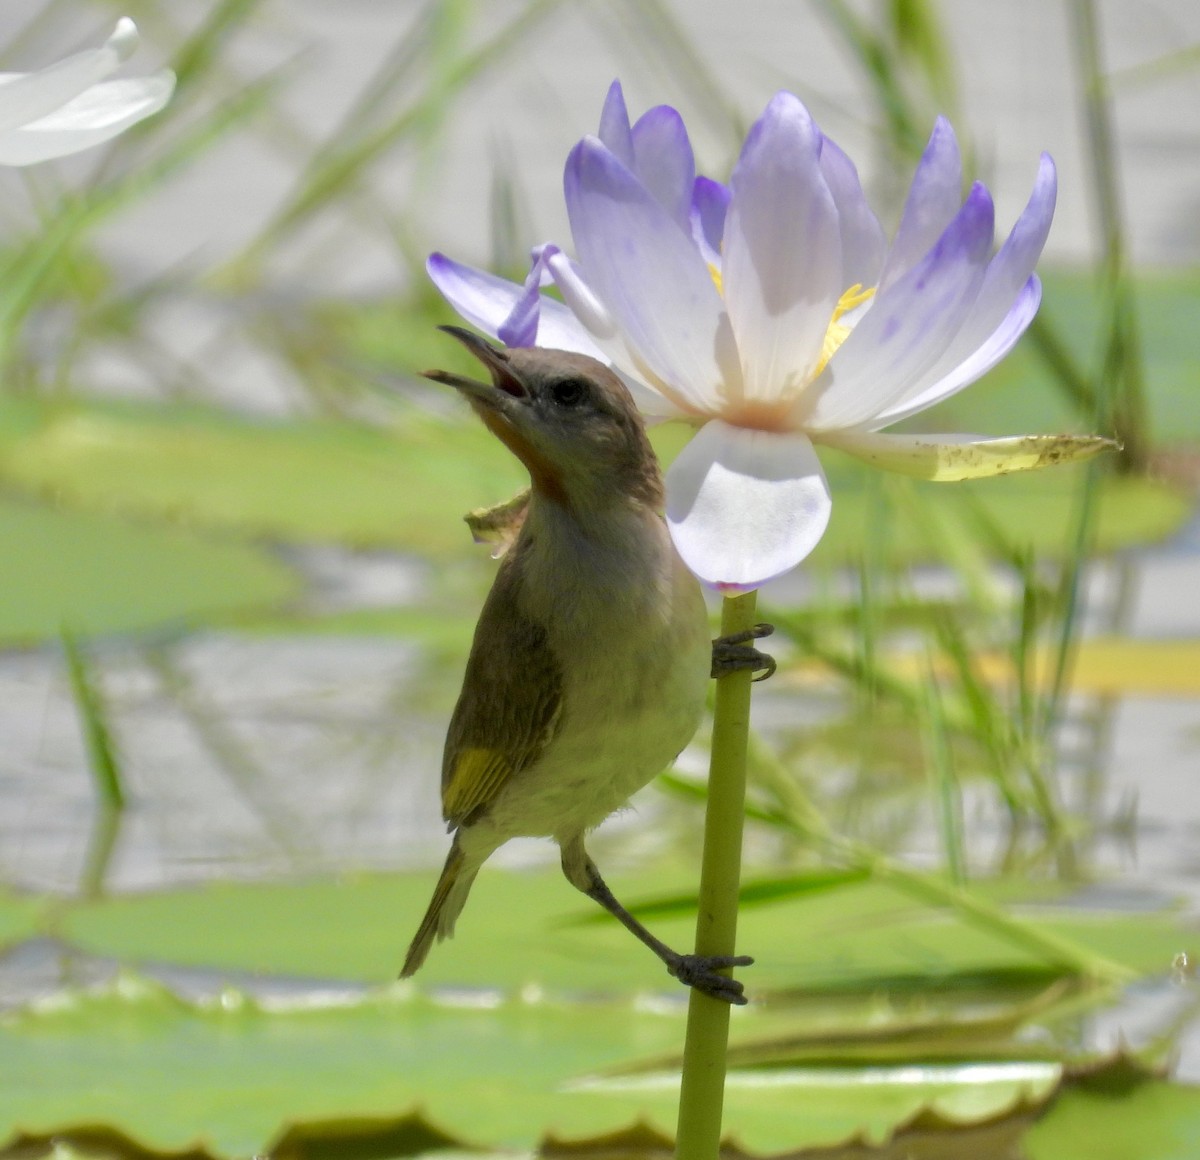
x=837, y=332
x=716, y=277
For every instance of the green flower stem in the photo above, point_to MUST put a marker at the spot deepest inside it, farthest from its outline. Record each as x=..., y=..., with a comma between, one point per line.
x=702, y=1091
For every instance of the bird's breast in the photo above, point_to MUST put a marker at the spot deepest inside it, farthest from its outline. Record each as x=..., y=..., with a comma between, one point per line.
x=632, y=641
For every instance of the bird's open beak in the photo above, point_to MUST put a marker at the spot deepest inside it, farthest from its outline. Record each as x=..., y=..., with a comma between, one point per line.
x=504, y=406
x=505, y=385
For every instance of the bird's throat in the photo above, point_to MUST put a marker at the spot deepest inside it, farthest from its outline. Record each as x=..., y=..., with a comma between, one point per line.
x=546, y=478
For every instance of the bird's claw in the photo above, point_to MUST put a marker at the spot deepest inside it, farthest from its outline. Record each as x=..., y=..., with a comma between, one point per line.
x=732, y=654
x=701, y=972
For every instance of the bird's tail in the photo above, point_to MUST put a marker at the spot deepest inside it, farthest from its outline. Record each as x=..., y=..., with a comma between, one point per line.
x=449, y=897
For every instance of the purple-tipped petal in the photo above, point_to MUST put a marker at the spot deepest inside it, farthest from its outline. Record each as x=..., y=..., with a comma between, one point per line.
x=590, y=311
x=520, y=326
x=933, y=199
x=485, y=301
x=908, y=328
x=782, y=268
x=863, y=241
x=745, y=506
x=615, y=131
x=985, y=356
x=663, y=161
x=650, y=277
x=1007, y=303
x=710, y=203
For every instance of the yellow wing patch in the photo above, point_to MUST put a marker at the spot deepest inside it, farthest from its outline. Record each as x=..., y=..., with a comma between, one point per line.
x=477, y=777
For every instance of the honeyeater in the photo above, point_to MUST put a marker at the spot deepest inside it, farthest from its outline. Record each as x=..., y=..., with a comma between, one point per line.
x=589, y=666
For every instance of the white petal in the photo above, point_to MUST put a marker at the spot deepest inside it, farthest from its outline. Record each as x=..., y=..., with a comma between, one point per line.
x=580, y=297
x=663, y=161
x=93, y=117
x=745, y=506
x=933, y=200
x=782, y=267
x=978, y=363
x=943, y=458
x=611, y=348
x=908, y=328
x=1007, y=303
x=863, y=242
x=651, y=278
x=710, y=204
x=26, y=97
x=615, y=130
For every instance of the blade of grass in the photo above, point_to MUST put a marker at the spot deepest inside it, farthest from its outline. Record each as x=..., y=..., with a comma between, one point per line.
x=988, y=716
x=947, y=793
x=340, y=165
x=103, y=763
x=1122, y=391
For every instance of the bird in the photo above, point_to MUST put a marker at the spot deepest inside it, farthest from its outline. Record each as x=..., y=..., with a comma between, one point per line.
x=588, y=670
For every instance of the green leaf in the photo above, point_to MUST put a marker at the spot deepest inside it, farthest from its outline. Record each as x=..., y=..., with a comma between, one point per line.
x=1093, y=1120
x=232, y=1075
x=235, y=1075
x=131, y=1067
x=853, y=934
x=93, y=574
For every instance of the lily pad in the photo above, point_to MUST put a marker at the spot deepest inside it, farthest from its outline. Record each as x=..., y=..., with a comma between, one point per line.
x=1098, y=1120
x=131, y=1068
x=495, y=1073
x=92, y=574
x=405, y=487
x=848, y=933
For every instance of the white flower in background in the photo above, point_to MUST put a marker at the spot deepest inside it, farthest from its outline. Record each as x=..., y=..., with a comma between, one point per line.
x=69, y=106
x=773, y=315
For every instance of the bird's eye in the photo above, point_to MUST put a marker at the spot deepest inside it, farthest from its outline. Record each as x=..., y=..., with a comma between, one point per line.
x=568, y=392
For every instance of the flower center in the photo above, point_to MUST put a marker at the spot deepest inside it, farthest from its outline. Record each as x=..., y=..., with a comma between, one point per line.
x=838, y=332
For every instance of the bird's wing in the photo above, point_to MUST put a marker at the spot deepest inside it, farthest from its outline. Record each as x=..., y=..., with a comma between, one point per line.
x=509, y=708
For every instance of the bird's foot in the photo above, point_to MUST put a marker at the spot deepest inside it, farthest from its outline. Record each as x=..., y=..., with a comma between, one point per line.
x=733, y=653
x=701, y=972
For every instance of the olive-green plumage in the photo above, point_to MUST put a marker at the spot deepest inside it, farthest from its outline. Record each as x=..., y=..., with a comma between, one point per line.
x=588, y=670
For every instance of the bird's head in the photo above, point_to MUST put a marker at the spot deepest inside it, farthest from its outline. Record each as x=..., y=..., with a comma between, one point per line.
x=567, y=417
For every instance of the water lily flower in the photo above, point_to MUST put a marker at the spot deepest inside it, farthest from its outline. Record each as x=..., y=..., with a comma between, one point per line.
x=772, y=314
x=68, y=106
